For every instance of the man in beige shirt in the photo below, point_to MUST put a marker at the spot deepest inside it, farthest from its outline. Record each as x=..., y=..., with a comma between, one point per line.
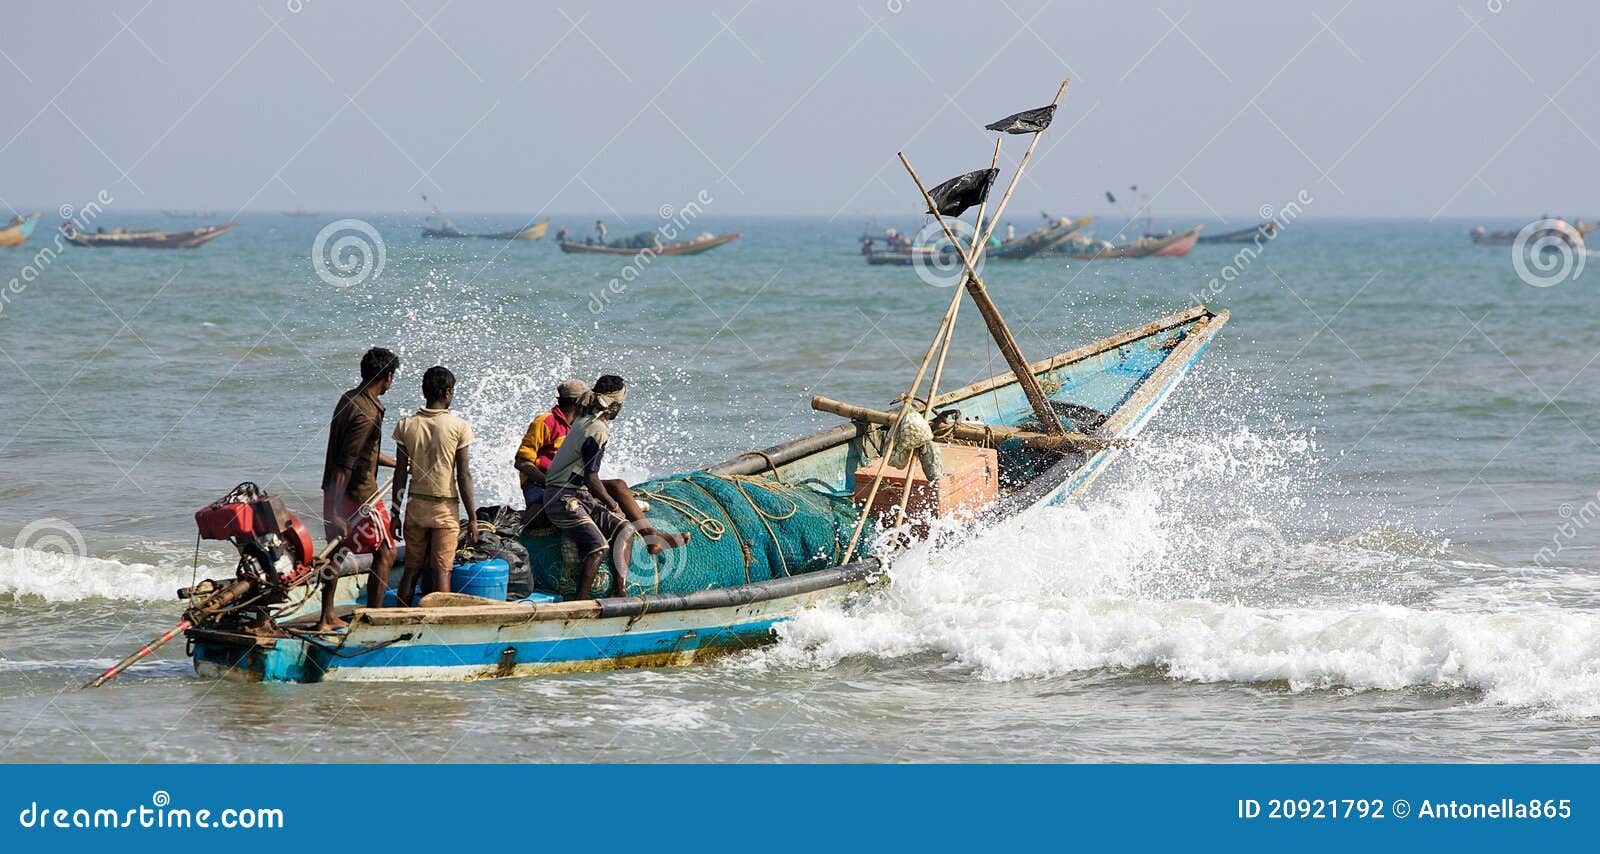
x=432, y=460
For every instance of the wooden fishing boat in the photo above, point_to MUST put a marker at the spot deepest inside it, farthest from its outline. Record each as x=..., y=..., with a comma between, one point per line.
x=146, y=239
x=685, y=247
x=1106, y=391
x=901, y=257
x=15, y=232
x=1172, y=246
x=448, y=229
x=1546, y=228
x=1042, y=240
x=1264, y=231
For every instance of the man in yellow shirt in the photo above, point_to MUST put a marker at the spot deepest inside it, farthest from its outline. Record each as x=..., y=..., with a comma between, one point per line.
x=432, y=460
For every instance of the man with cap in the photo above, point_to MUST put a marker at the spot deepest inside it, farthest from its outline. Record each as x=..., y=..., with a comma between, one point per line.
x=541, y=440
x=592, y=513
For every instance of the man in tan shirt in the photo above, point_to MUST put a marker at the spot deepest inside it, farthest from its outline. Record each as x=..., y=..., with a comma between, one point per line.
x=432, y=460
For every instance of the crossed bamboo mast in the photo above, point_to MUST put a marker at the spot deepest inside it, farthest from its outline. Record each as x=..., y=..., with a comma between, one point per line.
x=972, y=283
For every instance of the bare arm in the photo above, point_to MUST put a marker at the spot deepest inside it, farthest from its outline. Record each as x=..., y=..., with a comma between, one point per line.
x=597, y=488
x=402, y=474
x=464, y=486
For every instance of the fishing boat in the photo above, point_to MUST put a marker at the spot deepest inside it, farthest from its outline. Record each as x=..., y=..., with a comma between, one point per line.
x=1264, y=231
x=1171, y=246
x=684, y=247
x=1108, y=391
x=1041, y=240
x=16, y=232
x=172, y=214
x=146, y=239
x=301, y=213
x=448, y=229
x=776, y=531
x=1558, y=229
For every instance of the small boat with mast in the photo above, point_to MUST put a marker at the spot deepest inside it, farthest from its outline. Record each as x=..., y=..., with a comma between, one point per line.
x=448, y=229
x=805, y=523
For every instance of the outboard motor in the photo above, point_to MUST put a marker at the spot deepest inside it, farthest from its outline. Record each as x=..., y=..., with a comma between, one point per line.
x=275, y=554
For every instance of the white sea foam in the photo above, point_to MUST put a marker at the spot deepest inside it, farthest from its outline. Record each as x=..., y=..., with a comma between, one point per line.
x=59, y=577
x=1226, y=588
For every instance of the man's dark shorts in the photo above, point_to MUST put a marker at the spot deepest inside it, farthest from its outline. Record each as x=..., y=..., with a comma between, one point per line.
x=583, y=520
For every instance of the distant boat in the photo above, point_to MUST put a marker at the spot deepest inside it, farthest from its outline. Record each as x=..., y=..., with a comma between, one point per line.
x=1550, y=226
x=448, y=229
x=15, y=232
x=301, y=213
x=685, y=247
x=145, y=239
x=906, y=257
x=1265, y=231
x=1171, y=246
x=191, y=214
x=1041, y=240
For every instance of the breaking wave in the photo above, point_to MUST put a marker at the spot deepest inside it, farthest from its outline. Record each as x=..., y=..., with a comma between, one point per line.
x=62, y=577
x=1211, y=556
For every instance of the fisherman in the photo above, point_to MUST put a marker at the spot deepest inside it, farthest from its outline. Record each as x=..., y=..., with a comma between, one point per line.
x=600, y=231
x=540, y=443
x=432, y=459
x=1011, y=231
x=561, y=236
x=350, y=479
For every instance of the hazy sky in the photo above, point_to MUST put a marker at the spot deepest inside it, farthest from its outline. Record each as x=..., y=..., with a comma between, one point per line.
x=1481, y=108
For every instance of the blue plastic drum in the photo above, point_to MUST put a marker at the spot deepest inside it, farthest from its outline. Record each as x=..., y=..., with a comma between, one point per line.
x=486, y=578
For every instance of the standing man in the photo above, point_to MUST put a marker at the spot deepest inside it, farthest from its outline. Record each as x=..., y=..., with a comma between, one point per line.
x=432, y=459
x=350, y=478
x=600, y=231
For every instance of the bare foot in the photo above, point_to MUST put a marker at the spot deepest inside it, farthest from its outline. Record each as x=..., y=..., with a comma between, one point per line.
x=332, y=624
x=657, y=542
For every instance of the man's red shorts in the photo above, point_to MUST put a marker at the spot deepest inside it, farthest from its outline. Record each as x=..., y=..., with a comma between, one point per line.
x=370, y=530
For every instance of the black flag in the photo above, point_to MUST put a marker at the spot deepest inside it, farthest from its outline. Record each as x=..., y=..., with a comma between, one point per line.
x=1110, y=198
x=954, y=196
x=1027, y=121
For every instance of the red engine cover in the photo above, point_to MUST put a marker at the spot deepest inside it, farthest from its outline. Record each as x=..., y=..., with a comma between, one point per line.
x=226, y=521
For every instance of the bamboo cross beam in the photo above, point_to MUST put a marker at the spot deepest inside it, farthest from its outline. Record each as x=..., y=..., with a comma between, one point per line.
x=993, y=319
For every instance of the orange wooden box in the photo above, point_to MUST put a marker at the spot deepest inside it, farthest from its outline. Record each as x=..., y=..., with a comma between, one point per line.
x=971, y=481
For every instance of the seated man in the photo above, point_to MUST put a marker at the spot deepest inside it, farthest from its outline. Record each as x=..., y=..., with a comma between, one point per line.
x=540, y=442
x=539, y=445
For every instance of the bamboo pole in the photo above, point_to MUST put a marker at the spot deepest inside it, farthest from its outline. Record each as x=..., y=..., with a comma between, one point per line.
x=947, y=331
x=989, y=434
x=991, y=318
x=986, y=307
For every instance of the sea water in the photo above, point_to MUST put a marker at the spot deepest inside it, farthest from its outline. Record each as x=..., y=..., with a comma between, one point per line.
x=1363, y=530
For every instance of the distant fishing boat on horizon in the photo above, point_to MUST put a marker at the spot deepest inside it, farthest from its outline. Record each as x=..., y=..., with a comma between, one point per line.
x=144, y=238
x=447, y=228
